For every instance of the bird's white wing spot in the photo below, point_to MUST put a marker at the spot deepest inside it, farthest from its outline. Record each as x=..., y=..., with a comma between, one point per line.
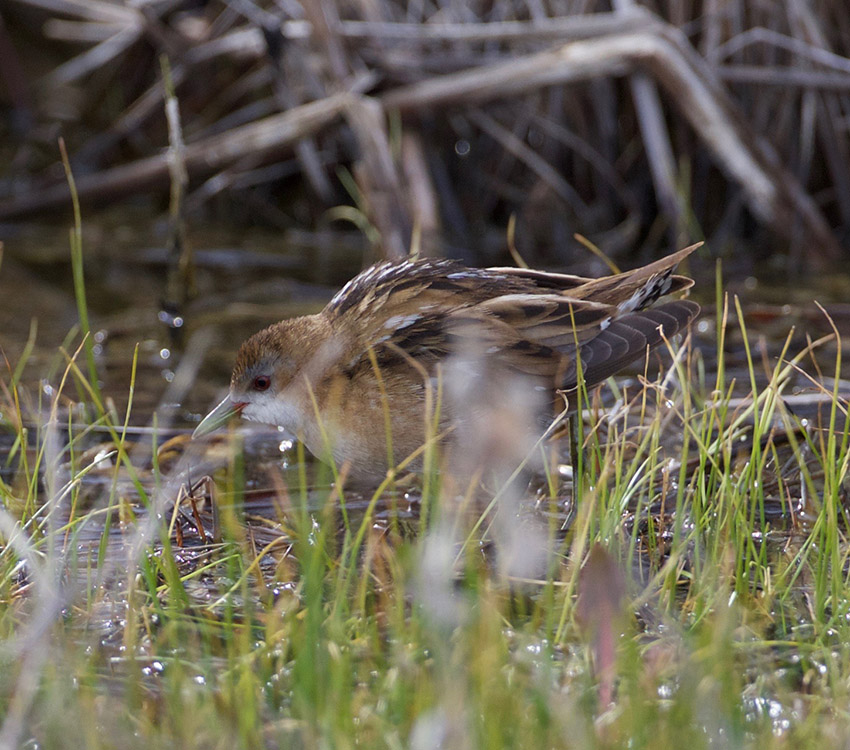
x=397, y=322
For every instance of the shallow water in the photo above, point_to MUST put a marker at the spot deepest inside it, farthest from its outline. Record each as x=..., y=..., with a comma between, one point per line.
x=242, y=283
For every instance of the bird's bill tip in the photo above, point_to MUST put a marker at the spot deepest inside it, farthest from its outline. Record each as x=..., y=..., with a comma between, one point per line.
x=218, y=417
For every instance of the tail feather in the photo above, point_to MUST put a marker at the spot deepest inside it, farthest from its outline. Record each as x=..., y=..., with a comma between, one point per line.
x=638, y=288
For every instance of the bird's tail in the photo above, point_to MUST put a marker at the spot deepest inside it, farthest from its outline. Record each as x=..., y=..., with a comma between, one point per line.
x=634, y=290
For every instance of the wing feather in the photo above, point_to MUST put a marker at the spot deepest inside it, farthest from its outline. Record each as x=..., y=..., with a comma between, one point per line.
x=526, y=321
x=628, y=338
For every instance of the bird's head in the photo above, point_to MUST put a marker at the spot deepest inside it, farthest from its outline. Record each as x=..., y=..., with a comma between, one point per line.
x=259, y=386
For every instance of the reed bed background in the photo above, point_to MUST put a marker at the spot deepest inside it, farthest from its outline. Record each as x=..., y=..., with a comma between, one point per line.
x=634, y=124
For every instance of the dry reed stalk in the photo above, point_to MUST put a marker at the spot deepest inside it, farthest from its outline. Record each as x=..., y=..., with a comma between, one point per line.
x=493, y=77
x=772, y=192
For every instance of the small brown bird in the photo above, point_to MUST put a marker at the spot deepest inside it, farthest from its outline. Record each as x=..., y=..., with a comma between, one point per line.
x=337, y=380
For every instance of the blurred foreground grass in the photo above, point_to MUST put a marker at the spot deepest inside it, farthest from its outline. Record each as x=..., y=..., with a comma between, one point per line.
x=693, y=588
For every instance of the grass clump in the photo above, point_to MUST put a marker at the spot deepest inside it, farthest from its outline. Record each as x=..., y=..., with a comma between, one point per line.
x=690, y=589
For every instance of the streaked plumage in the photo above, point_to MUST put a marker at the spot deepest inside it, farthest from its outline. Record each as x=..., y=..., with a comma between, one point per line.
x=315, y=375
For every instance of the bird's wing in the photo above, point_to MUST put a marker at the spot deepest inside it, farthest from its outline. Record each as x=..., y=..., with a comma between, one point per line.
x=626, y=339
x=656, y=279
x=553, y=320
x=408, y=304
x=430, y=339
x=640, y=287
x=554, y=336
x=526, y=321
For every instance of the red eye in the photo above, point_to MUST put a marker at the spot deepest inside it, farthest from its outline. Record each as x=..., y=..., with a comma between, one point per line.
x=262, y=383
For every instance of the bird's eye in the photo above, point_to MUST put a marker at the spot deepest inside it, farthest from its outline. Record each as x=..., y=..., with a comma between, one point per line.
x=262, y=383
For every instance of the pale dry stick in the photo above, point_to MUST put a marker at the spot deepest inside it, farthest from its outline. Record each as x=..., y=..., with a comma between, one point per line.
x=370, y=10
x=147, y=105
x=96, y=58
x=242, y=44
x=724, y=131
x=421, y=194
x=248, y=43
x=130, y=29
x=540, y=30
x=799, y=47
x=808, y=115
x=129, y=25
x=175, y=154
x=324, y=20
x=712, y=29
x=378, y=177
x=375, y=172
x=79, y=32
x=785, y=77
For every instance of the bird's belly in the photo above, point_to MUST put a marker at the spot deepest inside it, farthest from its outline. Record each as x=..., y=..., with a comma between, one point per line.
x=370, y=428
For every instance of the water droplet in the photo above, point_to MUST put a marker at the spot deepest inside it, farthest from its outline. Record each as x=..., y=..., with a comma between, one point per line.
x=462, y=147
x=171, y=320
